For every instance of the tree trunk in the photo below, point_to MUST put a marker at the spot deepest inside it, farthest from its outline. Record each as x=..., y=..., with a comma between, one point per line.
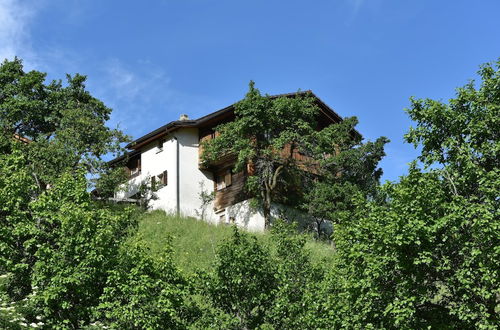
x=270, y=185
x=318, y=228
x=267, y=208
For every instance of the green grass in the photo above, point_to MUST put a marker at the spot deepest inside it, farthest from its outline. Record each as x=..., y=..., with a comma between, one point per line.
x=195, y=242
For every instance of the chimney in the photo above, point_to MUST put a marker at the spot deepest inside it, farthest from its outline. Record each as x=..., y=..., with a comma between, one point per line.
x=183, y=117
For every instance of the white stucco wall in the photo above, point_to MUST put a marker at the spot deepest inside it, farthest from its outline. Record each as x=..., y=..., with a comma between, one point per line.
x=192, y=179
x=252, y=219
x=245, y=216
x=129, y=189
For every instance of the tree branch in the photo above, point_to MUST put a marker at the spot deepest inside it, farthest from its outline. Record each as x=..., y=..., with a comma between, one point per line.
x=275, y=177
x=448, y=177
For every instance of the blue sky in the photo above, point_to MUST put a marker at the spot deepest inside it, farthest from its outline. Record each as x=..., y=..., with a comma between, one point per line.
x=153, y=60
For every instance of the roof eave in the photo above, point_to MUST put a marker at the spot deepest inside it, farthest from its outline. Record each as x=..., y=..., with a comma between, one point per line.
x=122, y=157
x=168, y=128
x=159, y=131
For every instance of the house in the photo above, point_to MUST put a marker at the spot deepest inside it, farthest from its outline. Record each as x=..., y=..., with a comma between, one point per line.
x=170, y=157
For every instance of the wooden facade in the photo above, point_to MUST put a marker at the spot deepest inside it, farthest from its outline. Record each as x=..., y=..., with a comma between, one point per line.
x=232, y=192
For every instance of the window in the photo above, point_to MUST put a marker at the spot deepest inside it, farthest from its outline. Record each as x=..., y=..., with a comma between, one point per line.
x=134, y=167
x=163, y=179
x=224, y=179
x=228, y=178
x=135, y=171
x=220, y=184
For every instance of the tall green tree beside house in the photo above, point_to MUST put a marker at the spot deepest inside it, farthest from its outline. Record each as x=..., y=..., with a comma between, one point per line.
x=46, y=129
x=262, y=128
x=347, y=168
x=427, y=254
x=267, y=130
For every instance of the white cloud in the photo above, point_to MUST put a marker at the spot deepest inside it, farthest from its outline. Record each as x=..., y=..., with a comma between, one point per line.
x=132, y=91
x=141, y=82
x=15, y=17
x=122, y=82
x=16, y=23
x=142, y=95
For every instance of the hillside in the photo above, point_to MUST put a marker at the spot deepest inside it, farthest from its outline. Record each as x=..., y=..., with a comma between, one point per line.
x=195, y=242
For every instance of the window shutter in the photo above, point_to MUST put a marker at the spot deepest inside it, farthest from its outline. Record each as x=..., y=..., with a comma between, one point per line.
x=164, y=178
x=228, y=178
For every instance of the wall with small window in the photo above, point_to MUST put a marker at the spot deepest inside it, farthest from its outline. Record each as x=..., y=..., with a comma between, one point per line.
x=158, y=164
x=159, y=181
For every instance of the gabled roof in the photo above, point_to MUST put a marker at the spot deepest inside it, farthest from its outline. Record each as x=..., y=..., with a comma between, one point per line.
x=214, y=118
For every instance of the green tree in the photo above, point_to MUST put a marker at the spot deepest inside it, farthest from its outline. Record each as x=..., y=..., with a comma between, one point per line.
x=463, y=136
x=17, y=186
x=55, y=242
x=57, y=246
x=75, y=245
x=346, y=168
x=46, y=129
x=296, y=279
x=110, y=180
x=263, y=127
x=65, y=124
x=266, y=133
x=428, y=254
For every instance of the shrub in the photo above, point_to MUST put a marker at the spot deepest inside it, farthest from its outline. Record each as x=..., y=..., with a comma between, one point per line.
x=76, y=246
x=144, y=292
x=243, y=280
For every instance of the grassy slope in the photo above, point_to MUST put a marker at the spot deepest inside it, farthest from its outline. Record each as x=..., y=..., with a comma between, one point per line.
x=195, y=242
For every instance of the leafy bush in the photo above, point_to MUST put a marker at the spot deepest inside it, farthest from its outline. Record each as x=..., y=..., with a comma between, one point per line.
x=262, y=285
x=428, y=255
x=295, y=279
x=144, y=292
x=77, y=245
x=17, y=228
x=243, y=280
